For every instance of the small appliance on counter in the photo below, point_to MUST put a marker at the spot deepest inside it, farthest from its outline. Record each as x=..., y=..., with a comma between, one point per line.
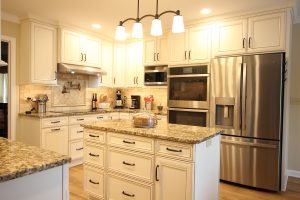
x=94, y=101
x=39, y=103
x=135, y=102
x=120, y=100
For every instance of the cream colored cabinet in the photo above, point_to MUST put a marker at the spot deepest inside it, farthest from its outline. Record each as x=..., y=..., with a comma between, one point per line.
x=134, y=65
x=94, y=181
x=173, y=180
x=79, y=49
x=107, y=63
x=193, y=46
x=119, y=65
x=38, y=56
x=55, y=139
x=156, y=51
x=263, y=33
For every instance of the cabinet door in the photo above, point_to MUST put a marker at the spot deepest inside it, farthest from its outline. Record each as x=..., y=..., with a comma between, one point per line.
x=44, y=54
x=119, y=66
x=107, y=63
x=267, y=33
x=71, y=48
x=149, y=52
x=162, y=51
x=199, y=42
x=173, y=180
x=139, y=82
x=177, y=50
x=131, y=65
x=55, y=139
x=230, y=37
x=91, y=49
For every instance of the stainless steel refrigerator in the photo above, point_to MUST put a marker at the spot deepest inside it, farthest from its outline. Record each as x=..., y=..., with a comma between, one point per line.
x=247, y=102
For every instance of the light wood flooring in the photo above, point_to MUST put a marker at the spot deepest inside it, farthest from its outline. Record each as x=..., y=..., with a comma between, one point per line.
x=227, y=191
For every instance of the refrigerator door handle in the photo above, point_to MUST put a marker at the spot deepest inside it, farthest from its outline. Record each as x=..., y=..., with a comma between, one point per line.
x=244, y=96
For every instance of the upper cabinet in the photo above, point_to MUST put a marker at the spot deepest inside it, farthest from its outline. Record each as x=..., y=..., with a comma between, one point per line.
x=107, y=63
x=119, y=65
x=263, y=33
x=38, y=57
x=156, y=51
x=79, y=49
x=193, y=46
x=134, y=65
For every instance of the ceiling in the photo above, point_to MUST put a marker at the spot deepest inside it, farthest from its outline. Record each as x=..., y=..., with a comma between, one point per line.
x=83, y=13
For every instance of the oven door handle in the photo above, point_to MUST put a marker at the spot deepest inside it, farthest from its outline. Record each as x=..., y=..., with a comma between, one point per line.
x=189, y=110
x=188, y=76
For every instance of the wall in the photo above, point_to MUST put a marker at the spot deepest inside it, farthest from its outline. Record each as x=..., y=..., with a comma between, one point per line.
x=294, y=135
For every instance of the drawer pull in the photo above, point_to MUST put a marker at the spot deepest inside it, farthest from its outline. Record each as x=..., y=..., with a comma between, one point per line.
x=100, y=117
x=94, y=155
x=128, y=142
x=156, y=173
x=96, y=183
x=174, y=150
x=79, y=149
x=55, y=129
x=80, y=131
x=80, y=119
x=94, y=135
x=126, y=194
x=129, y=164
x=55, y=122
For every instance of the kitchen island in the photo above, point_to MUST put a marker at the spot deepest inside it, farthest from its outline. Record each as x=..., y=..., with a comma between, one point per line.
x=31, y=173
x=166, y=162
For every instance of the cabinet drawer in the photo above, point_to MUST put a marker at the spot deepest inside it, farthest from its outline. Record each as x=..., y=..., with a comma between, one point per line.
x=76, y=132
x=94, y=136
x=130, y=142
x=76, y=149
x=52, y=122
x=173, y=149
x=120, y=189
x=99, y=117
x=94, y=181
x=78, y=119
x=136, y=165
x=94, y=155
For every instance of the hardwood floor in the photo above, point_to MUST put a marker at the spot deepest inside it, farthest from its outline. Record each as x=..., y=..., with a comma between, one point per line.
x=227, y=191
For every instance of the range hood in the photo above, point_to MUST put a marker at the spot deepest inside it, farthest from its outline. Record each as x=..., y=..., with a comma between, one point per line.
x=79, y=69
x=2, y=63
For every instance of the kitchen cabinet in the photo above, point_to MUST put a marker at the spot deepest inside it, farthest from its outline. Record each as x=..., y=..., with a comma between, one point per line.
x=107, y=63
x=193, y=46
x=119, y=65
x=79, y=49
x=38, y=56
x=55, y=139
x=156, y=51
x=261, y=33
x=134, y=66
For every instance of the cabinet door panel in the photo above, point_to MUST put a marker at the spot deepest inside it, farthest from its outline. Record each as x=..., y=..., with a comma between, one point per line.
x=131, y=65
x=162, y=50
x=173, y=180
x=55, y=139
x=267, y=33
x=107, y=62
x=71, y=48
x=177, y=49
x=149, y=51
x=119, y=66
x=230, y=37
x=92, y=51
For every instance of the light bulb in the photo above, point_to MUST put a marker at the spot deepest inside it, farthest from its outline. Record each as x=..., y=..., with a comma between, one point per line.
x=156, y=29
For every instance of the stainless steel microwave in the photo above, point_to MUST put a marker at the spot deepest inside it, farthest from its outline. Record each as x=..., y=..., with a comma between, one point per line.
x=155, y=75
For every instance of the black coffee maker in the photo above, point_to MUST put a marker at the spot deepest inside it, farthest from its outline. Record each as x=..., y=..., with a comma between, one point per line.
x=135, y=102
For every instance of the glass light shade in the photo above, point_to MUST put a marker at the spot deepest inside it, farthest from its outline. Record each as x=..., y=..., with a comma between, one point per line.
x=137, y=31
x=178, y=25
x=156, y=29
x=120, y=33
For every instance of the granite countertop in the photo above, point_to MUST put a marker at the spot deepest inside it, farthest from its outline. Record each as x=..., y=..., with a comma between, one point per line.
x=18, y=159
x=163, y=130
x=85, y=112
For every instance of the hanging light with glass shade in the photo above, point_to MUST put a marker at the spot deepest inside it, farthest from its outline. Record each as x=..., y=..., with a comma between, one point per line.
x=156, y=26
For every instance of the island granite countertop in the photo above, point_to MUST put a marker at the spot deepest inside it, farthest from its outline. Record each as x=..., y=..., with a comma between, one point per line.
x=163, y=130
x=18, y=159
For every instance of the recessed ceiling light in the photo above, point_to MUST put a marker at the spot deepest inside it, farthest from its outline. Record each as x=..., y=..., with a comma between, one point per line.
x=96, y=26
x=205, y=11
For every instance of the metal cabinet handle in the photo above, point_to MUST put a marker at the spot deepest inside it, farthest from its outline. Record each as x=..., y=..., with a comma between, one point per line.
x=55, y=75
x=100, y=117
x=250, y=41
x=79, y=149
x=157, y=56
x=80, y=119
x=85, y=57
x=94, y=155
x=134, y=82
x=55, y=129
x=174, y=150
x=96, y=183
x=244, y=43
x=129, y=164
x=55, y=122
x=156, y=173
x=126, y=194
x=80, y=131
x=128, y=142
x=137, y=80
x=81, y=56
x=154, y=57
x=96, y=136
x=114, y=80
x=190, y=55
x=185, y=55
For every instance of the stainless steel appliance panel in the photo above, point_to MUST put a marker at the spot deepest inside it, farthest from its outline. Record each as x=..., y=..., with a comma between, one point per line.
x=250, y=162
x=226, y=93
x=262, y=90
x=193, y=117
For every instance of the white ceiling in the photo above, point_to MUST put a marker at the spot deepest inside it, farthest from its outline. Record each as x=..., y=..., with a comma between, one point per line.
x=83, y=13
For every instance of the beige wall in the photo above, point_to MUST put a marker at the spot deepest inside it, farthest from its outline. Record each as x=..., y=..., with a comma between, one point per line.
x=294, y=135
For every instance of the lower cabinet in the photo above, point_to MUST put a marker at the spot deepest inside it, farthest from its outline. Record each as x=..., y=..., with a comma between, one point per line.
x=94, y=181
x=56, y=139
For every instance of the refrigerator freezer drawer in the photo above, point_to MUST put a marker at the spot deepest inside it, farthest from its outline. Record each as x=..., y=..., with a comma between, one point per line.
x=250, y=162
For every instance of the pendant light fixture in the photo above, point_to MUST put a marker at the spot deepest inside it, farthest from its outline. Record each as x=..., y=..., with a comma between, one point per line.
x=156, y=26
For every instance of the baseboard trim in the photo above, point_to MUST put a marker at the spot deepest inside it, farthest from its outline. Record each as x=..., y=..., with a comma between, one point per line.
x=293, y=173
